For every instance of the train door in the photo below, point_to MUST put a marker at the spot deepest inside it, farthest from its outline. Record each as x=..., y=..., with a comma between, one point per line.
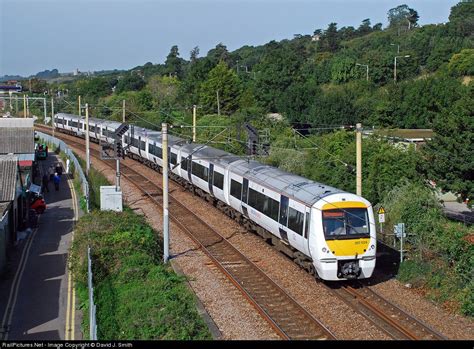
x=283, y=218
x=211, y=177
x=245, y=190
x=307, y=226
x=296, y=215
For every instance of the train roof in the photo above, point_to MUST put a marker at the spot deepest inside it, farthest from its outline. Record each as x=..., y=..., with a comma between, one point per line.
x=216, y=156
x=291, y=185
x=68, y=116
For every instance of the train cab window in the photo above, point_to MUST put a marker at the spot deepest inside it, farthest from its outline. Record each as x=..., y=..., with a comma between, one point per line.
x=345, y=224
x=173, y=158
x=295, y=220
x=236, y=189
x=142, y=145
x=135, y=142
x=218, y=180
x=127, y=140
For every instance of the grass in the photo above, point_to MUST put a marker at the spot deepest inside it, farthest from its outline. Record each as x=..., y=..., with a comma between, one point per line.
x=137, y=296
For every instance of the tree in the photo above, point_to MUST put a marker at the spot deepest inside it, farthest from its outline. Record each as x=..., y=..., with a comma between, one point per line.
x=401, y=15
x=173, y=64
x=224, y=81
x=462, y=63
x=450, y=154
x=365, y=27
x=331, y=38
x=193, y=55
x=130, y=82
x=164, y=90
x=343, y=69
x=219, y=53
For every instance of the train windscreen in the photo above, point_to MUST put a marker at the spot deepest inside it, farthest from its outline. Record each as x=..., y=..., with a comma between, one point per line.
x=348, y=223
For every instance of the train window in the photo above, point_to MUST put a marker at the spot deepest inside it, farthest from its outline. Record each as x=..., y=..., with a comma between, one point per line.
x=155, y=150
x=135, y=142
x=142, y=145
x=127, y=140
x=295, y=220
x=236, y=189
x=173, y=158
x=184, y=163
x=306, y=227
x=200, y=171
x=264, y=204
x=218, y=180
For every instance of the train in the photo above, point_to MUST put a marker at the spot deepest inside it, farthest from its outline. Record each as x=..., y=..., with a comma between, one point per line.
x=327, y=231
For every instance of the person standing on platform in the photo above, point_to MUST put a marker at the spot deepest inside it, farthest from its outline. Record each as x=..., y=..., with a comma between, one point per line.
x=56, y=180
x=45, y=181
x=51, y=172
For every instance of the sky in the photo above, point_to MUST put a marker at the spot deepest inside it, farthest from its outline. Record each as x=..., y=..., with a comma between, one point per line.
x=93, y=35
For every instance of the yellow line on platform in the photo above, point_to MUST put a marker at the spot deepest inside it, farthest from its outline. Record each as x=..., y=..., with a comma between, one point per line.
x=71, y=291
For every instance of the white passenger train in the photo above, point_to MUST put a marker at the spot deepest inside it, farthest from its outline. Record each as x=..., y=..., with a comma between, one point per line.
x=327, y=231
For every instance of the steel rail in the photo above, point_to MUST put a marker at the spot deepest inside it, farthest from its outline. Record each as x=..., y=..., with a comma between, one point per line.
x=385, y=315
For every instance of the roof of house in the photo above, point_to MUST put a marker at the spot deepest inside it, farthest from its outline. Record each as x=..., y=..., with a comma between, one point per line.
x=17, y=140
x=8, y=176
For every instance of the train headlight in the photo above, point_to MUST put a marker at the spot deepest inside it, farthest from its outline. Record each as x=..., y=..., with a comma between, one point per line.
x=324, y=249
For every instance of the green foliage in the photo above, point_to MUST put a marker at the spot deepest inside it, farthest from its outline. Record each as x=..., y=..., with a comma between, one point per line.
x=462, y=63
x=440, y=257
x=343, y=69
x=137, y=297
x=401, y=15
x=130, y=82
x=93, y=88
x=450, y=154
x=225, y=82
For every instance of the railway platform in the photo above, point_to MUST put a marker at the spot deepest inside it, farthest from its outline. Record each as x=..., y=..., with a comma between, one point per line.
x=38, y=299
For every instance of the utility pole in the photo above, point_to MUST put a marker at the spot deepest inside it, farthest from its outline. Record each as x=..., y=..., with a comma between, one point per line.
x=88, y=160
x=164, y=145
x=194, y=123
x=27, y=106
x=218, y=104
x=123, y=111
x=24, y=106
x=79, y=105
x=45, y=112
x=52, y=114
x=359, y=159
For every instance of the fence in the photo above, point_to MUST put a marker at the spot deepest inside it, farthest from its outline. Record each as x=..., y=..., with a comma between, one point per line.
x=63, y=146
x=92, y=306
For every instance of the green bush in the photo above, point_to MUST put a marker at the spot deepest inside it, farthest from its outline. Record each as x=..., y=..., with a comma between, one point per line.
x=137, y=297
x=440, y=259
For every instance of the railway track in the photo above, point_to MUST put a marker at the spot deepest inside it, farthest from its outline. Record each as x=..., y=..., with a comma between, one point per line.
x=287, y=318
x=385, y=315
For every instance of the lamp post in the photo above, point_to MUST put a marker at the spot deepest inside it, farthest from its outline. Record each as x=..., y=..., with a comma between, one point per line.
x=367, y=66
x=395, y=67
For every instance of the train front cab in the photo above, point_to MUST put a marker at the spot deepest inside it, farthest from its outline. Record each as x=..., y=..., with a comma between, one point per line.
x=345, y=245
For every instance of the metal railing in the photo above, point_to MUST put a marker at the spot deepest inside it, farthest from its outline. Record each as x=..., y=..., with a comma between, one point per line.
x=92, y=306
x=77, y=166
